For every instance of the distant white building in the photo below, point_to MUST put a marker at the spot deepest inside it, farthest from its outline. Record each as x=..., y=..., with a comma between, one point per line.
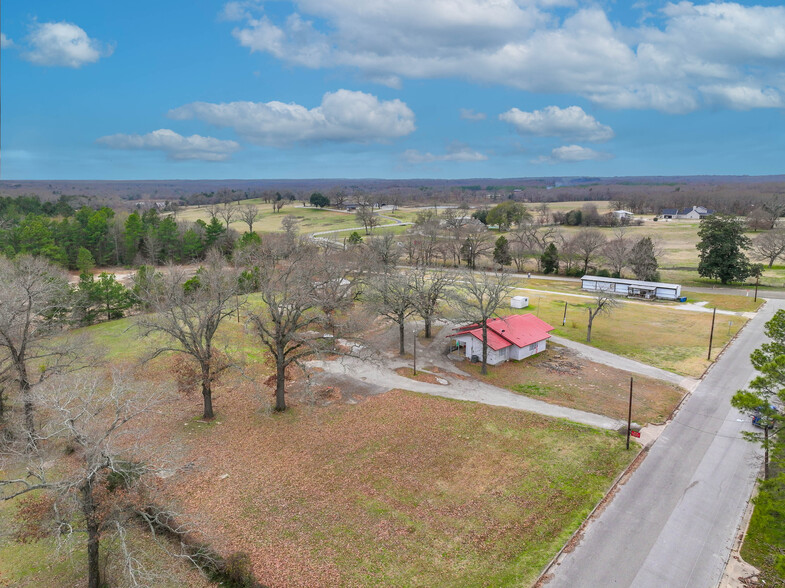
x=693, y=213
x=632, y=288
x=623, y=214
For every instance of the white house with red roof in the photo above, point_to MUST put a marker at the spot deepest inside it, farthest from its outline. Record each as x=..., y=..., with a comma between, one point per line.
x=511, y=337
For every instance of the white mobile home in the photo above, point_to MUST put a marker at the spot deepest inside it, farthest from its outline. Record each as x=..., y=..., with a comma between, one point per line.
x=632, y=288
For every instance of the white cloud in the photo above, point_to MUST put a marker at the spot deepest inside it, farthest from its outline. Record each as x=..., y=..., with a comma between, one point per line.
x=174, y=145
x=63, y=44
x=571, y=122
x=572, y=154
x=455, y=152
x=5, y=42
x=343, y=115
x=672, y=67
x=741, y=97
x=469, y=114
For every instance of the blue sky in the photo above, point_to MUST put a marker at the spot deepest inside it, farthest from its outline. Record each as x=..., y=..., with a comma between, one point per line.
x=390, y=89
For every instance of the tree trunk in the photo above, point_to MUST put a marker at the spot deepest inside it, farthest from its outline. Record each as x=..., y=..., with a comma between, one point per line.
x=588, y=330
x=280, y=383
x=402, y=337
x=29, y=411
x=2, y=402
x=484, y=368
x=766, y=450
x=207, y=393
x=427, y=327
x=88, y=507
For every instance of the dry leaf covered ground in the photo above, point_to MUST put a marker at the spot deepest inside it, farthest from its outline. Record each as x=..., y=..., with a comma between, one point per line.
x=401, y=489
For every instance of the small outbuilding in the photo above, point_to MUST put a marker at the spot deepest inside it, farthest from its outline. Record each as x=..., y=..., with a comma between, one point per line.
x=511, y=337
x=632, y=288
x=519, y=301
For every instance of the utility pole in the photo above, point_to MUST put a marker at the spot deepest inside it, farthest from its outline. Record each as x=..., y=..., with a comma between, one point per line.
x=564, y=318
x=629, y=416
x=757, y=281
x=711, y=335
x=415, y=352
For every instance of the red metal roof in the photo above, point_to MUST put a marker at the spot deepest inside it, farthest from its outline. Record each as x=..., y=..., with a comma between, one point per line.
x=516, y=329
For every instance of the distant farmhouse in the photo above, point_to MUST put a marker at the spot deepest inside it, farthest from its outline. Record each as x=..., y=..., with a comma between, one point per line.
x=511, y=337
x=631, y=288
x=694, y=213
x=623, y=215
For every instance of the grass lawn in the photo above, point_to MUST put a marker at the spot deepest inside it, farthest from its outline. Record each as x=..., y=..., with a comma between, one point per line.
x=400, y=490
x=311, y=219
x=560, y=377
x=725, y=301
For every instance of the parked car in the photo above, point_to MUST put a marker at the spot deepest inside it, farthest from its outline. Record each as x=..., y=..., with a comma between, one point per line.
x=761, y=420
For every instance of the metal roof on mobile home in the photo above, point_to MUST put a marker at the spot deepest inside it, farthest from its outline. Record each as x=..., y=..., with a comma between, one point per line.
x=640, y=283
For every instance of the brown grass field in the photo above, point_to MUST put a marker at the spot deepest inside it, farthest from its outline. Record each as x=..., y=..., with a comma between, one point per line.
x=402, y=489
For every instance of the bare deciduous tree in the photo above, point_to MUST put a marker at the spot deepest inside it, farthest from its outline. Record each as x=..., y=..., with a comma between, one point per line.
x=91, y=492
x=291, y=307
x=188, y=318
x=390, y=294
x=384, y=250
x=770, y=245
x=588, y=243
x=367, y=217
x=476, y=242
x=428, y=289
x=248, y=214
x=604, y=304
x=32, y=296
x=477, y=299
x=617, y=251
x=228, y=211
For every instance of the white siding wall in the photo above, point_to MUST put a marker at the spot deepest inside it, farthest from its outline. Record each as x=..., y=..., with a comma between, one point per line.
x=474, y=347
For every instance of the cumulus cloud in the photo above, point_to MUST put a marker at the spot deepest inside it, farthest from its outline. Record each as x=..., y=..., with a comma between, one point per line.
x=174, y=145
x=343, y=115
x=469, y=114
x=572, y=154
x=695, y=55
x=571, y=122
x=5, y=42
x=455, y=152
x=63, y=44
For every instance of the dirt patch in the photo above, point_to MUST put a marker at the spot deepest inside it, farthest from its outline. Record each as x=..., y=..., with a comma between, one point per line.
x=420, y=377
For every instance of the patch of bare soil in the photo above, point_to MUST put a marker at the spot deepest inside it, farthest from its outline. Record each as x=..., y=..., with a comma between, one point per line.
x=420, y=377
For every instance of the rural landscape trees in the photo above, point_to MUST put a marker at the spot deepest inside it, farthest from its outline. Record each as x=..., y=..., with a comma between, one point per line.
x=722, y=246
x=93, y=495
x=187, y=318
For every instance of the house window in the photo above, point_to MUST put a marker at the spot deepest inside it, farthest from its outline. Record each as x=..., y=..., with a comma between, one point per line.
x=533, y=347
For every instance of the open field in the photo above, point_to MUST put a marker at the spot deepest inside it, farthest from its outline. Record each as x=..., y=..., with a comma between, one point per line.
x=560, y=377
x=402, y=489
x=311, y=219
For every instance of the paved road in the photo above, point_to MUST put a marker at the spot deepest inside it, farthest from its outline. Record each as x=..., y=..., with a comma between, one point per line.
x=673, y=523
x=768, y=294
